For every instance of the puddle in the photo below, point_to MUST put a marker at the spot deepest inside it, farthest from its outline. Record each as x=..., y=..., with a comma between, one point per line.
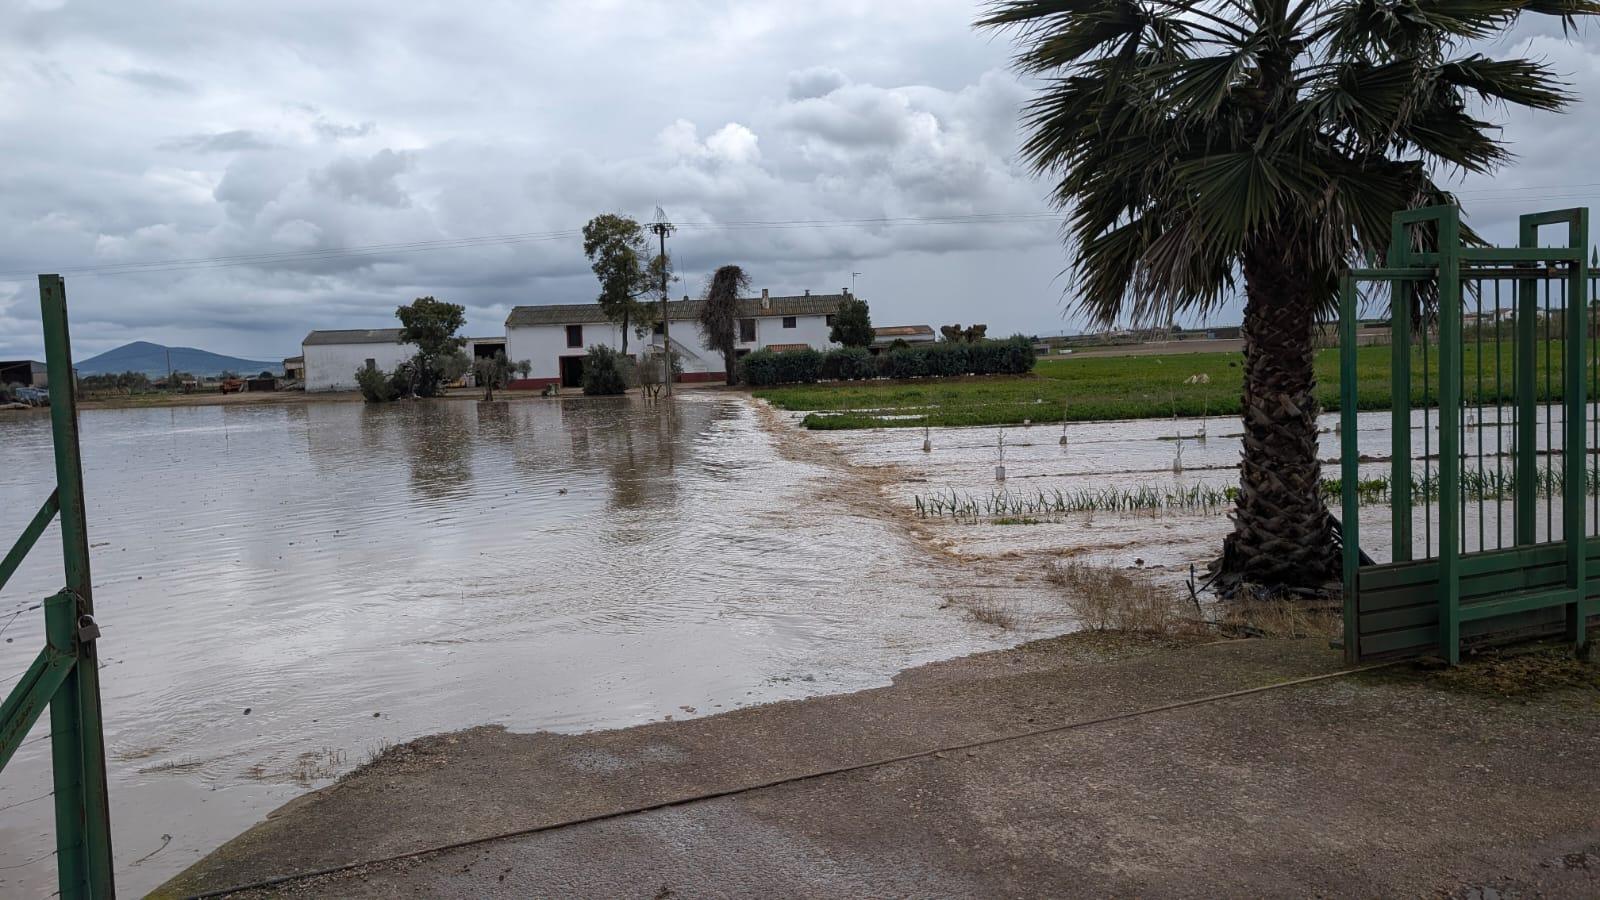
x=356, y=577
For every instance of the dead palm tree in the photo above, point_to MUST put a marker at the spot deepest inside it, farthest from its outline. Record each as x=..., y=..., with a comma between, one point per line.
x=719, y=315
x=1195, y=142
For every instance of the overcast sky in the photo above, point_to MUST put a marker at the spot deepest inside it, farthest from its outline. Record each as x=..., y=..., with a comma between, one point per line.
x=148, y=131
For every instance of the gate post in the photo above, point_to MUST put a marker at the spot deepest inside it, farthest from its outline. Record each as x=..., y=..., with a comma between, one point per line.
x=1576, y=406
x=1399, y=256
x=1525, y=490
x=83, y=820
x=1450, y=434
x=1349, y=463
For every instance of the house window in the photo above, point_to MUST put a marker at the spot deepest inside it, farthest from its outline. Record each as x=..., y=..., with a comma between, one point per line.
x=658, y=328
x=747, y=331
x=371, y=364
x=574, y=335
x=788, y=321
x=829, y=321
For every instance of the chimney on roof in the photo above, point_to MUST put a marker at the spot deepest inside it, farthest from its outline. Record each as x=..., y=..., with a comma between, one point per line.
x=844, y=291
x=808, y=292
x=766, y=299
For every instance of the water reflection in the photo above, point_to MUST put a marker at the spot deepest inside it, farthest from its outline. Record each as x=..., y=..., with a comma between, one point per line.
x=564, y=564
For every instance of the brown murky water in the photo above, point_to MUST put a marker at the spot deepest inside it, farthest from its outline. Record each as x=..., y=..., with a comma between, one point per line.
x=355, y=576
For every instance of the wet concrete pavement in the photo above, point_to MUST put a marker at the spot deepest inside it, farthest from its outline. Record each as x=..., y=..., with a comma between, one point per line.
x=1374, y=784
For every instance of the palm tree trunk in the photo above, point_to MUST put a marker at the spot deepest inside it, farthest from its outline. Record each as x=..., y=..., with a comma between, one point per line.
x=1282, y=533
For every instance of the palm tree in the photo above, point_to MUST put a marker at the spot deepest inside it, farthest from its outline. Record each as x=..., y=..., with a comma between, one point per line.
x=1197, y=142
x=719, y=314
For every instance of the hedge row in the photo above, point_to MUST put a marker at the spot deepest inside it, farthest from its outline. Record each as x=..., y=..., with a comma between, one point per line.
x=1013, y=356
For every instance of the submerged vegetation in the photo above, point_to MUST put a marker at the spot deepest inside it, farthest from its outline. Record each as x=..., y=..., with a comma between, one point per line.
x=1010, y=508
x=1094, y=388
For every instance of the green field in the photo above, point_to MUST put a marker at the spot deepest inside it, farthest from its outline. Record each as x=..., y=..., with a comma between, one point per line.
x=1131, y=387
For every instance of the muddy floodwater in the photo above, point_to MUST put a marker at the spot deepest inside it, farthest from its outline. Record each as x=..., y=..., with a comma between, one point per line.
x=285, y=590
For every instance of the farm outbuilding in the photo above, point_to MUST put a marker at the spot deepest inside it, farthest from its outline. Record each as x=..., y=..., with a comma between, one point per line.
x=26, y=372
x=555, y=338
x=332, y=357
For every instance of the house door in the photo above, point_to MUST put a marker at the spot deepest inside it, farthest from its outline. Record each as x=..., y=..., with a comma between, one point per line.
x=572, y=371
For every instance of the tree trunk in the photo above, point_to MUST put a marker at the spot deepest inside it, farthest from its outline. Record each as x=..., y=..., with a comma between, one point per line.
x=625, y=332
x=1282, y=533
x=730, y=362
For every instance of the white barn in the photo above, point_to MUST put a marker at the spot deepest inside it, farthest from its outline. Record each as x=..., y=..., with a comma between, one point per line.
x=555, y=338
x=331, y=358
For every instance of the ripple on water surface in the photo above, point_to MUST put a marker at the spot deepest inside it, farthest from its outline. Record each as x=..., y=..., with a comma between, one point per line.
x=355, y=575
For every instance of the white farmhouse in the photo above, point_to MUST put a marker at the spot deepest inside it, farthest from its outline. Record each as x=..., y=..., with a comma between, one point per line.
x=331, y=358
x=555, y=338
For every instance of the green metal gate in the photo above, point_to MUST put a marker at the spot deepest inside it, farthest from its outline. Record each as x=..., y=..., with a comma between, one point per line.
x=1481, y=497
x=65, y=675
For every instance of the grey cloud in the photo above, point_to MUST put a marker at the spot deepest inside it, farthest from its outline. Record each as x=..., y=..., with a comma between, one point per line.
x=236, y=141
x=759, y=124
x=366, y=181
x=335, y=131
x=816, y=81
x=154, y=80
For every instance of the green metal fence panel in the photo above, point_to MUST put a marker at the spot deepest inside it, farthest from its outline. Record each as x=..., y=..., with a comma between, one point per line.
x=1493, y=363
x=66, y=673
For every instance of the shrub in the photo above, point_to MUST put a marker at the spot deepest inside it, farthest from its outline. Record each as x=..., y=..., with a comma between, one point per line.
x=605, y=372
x=376, y=385
x=1017, y=354
x=1013, y=356
x=759, y=368
x=907, y=363
x=849, y=364
x=799, y=366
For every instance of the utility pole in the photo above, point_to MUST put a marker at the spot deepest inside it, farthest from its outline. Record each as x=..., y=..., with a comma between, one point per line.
x=662, y=228
x=853, y=283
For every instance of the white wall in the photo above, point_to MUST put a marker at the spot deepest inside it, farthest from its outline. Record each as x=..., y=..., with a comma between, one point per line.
x=544, y=345
x=332, y=367
x=811, y=330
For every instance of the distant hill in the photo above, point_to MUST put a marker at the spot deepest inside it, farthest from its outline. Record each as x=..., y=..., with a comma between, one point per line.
x=151, y=359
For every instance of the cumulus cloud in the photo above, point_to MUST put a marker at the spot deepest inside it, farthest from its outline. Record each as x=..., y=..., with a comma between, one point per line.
x=886, y=130
x=371, y=180
x=815, y=81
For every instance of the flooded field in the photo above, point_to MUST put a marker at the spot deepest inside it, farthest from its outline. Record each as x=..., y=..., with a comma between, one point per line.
x=976, y=518
x=287, y=589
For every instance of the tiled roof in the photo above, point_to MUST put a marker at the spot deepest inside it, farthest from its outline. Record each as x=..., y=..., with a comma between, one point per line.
x=677, y=310
x=353, y=336
x=894, y=331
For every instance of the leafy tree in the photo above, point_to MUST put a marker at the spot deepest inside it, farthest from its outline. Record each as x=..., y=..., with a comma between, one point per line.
x=431, y=325
x=376, y=385
x=491, y=373
x=454, y=365
x=719, y=316
x=617, y=250
x=852, y=324
x=1195, y=142
x=604, y=371
x=956, y=334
